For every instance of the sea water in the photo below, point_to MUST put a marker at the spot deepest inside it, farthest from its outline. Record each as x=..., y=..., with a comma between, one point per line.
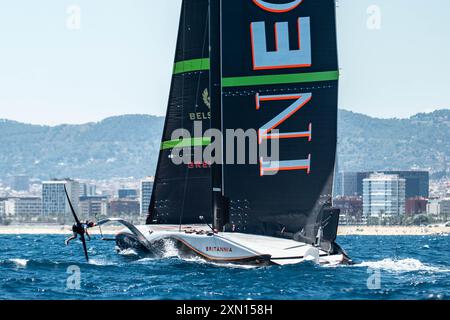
x=398, y=267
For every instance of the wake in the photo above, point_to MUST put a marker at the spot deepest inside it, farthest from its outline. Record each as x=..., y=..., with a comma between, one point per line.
x=399, y=266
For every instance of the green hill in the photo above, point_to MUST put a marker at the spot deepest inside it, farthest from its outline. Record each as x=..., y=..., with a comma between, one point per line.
x=420, y=142
x=121, y=146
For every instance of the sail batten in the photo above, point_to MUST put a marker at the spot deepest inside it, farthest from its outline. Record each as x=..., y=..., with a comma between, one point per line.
x=202, y=64
x=183, y=143
x=281, y=79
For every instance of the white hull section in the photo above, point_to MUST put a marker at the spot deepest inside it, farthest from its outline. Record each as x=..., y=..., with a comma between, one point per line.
x=228, y=247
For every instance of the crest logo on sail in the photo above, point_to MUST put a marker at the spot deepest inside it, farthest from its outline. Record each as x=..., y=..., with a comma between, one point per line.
x=206, y=98
x=200, y=116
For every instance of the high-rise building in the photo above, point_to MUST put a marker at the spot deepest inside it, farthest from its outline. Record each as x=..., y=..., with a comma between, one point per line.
x=417, y=183
x=54, y=200
x=24, y=208
x=348, y=184
x=146, y=194
x=383, y=195
x=87, y=190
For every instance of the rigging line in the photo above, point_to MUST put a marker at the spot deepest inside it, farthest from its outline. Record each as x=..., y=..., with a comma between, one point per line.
x=211, y=171
x=206, y=42
x=182, y=110
x=205, y=38
x=99, y=227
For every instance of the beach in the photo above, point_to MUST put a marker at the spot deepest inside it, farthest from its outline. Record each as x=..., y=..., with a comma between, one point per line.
x=392, y=230
x=42, y=229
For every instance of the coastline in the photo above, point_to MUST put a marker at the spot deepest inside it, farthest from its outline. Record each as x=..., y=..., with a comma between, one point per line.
x=43, y=229
x=38, y=229
x=392, y=230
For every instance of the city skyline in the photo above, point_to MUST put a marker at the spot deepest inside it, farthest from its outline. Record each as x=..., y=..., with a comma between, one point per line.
x=381, y=195
x=54, y=72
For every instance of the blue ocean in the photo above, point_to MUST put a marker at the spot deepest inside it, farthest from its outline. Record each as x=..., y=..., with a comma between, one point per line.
x=400, y=267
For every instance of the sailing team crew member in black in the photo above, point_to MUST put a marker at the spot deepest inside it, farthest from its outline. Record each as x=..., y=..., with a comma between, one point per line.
x=80, y=229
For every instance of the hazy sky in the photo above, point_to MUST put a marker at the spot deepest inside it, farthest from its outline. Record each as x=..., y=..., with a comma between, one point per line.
x=120, y=60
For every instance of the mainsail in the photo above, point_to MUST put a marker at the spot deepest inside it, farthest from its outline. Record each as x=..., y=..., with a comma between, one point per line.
x=280, y=72
x=181, y=193
x=270, y=66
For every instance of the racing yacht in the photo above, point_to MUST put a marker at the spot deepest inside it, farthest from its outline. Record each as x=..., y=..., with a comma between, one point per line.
x=268, y=66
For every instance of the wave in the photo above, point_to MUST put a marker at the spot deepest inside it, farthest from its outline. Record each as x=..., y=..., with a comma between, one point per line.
x=170, y=250
x=404, y=265
x=101, y=262
x=128, y=252
x=21, y=263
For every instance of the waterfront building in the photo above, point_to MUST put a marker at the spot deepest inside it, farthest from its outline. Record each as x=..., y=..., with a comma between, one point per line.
x=24, y=208
x=121, y=208
x=439, y=208
x=351, y=209
x=87, y=190
x=444, y=208
x=417, y=183
x=54, y=201
x=415, y=206
x=383, y=195
x=146, y=194
x=91, y=207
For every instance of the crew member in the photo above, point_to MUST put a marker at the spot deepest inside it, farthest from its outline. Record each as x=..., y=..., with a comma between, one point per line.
x=80, y=229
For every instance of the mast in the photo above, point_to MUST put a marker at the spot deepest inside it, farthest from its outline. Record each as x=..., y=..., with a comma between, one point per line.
x=218, y=207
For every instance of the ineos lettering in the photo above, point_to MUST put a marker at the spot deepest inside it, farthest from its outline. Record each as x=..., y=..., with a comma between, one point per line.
x=282, y=58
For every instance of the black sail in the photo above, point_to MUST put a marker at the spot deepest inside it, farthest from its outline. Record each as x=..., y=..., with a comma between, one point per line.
x=280, y=72
x=181, y=193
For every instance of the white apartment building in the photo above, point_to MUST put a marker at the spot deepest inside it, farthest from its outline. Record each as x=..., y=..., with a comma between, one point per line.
x=384, y=195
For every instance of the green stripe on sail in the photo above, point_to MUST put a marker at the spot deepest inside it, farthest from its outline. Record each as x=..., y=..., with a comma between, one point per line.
x=191, y=65
x=281, y=79
x=185, y=143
